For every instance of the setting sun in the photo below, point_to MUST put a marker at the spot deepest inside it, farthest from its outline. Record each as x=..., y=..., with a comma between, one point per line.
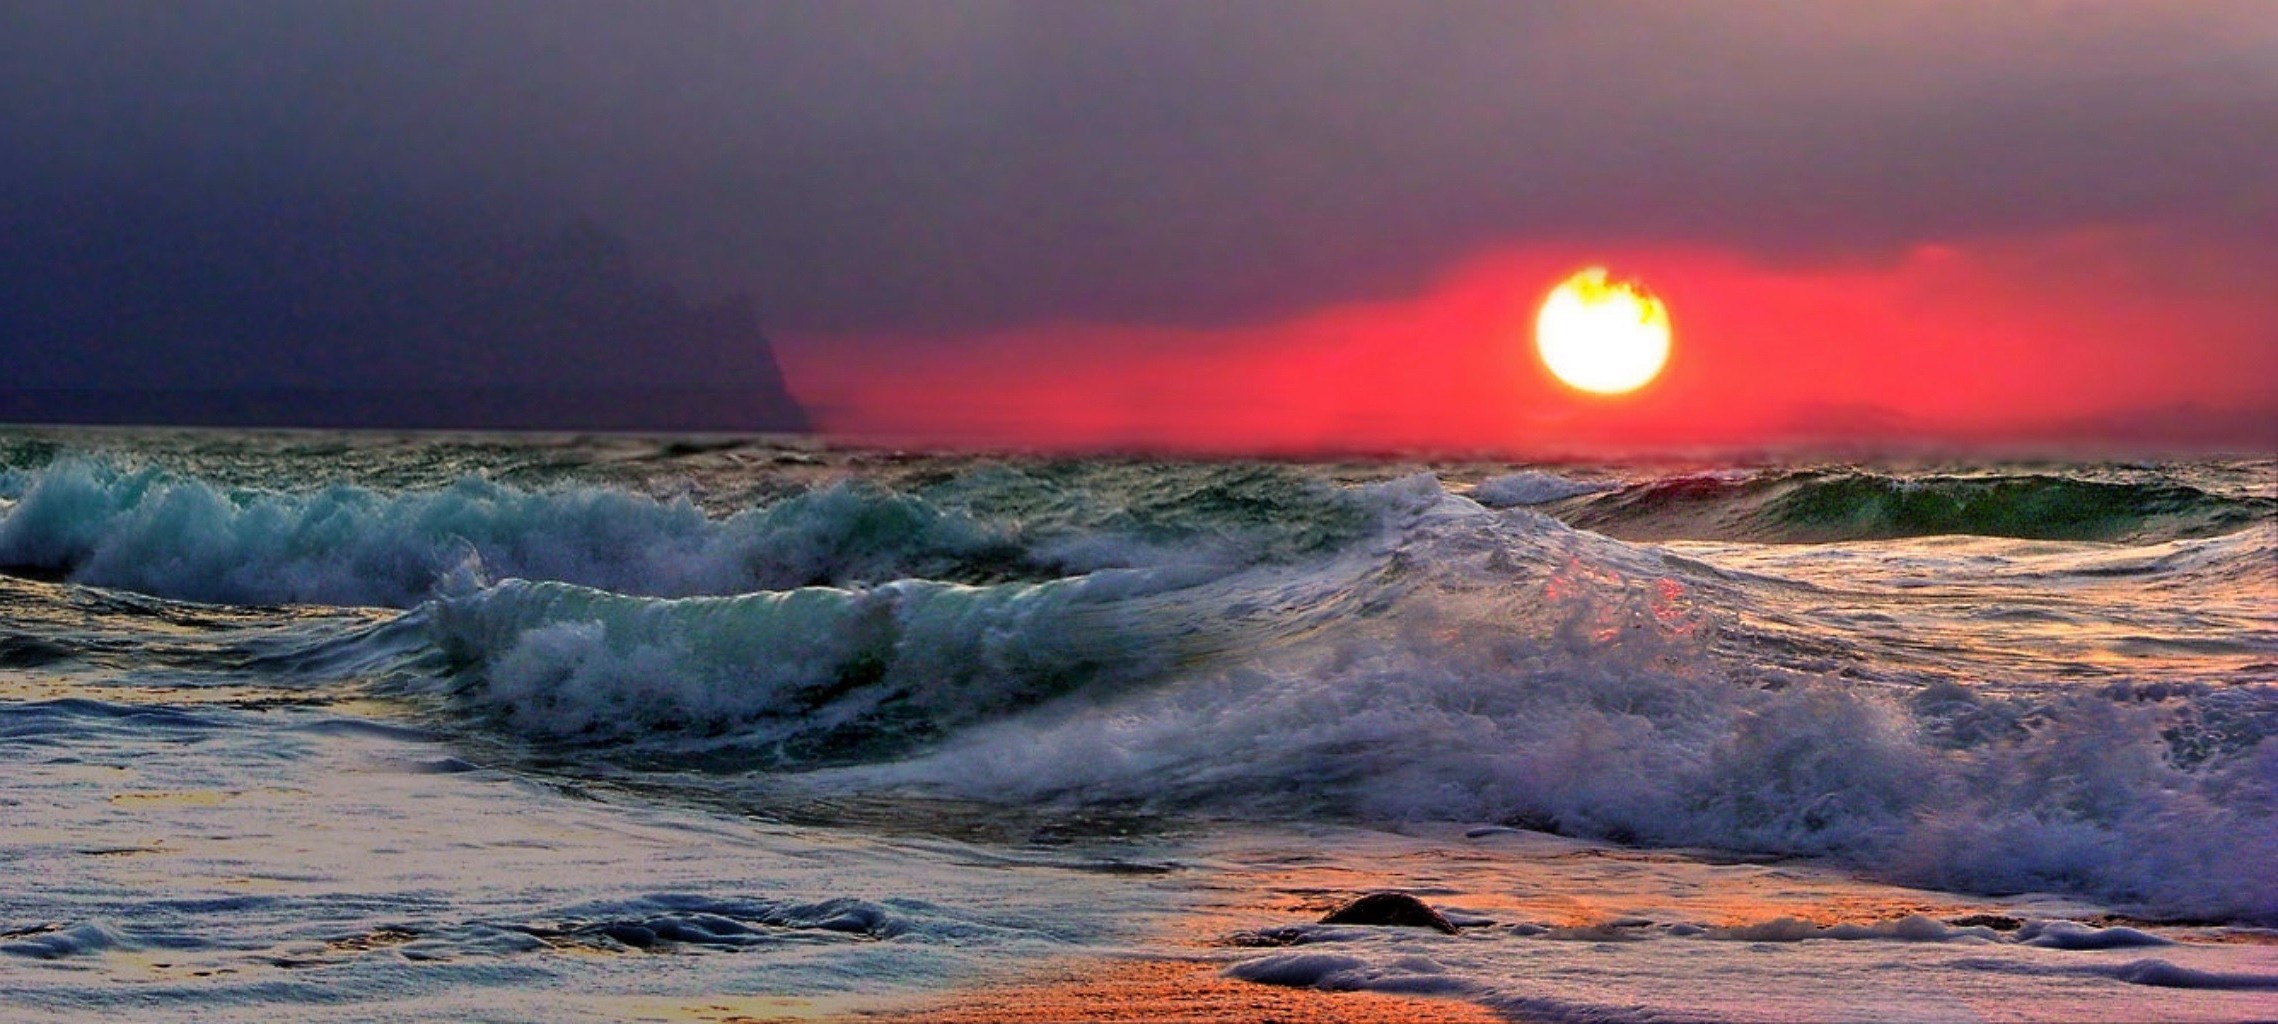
x=1601, y=336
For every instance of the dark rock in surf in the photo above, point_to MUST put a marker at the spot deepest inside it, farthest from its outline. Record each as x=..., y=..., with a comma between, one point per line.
x=1997, y=922
x=1396, y=909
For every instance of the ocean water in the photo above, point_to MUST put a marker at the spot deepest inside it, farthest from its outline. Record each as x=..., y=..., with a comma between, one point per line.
x=517, y=728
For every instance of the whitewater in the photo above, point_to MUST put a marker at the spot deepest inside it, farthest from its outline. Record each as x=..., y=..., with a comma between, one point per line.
x=466, y=727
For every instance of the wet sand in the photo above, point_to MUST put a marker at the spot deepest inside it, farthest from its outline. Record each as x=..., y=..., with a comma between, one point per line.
x=1189, y=992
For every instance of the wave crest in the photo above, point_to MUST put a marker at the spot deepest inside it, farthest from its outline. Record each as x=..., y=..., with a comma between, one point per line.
x=1856, y=505
x=798, y=677
x=156, y=533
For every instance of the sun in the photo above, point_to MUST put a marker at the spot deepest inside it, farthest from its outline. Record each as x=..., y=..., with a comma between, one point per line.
x=1602, y=336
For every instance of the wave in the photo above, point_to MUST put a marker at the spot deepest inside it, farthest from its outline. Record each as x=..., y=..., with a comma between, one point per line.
x=155, y=532
x=1845, y=505
x=1254, y=653
x=800, y=677
x=823, y=674
x=1466, y=664
x=1533, y=487
x=2083, y=797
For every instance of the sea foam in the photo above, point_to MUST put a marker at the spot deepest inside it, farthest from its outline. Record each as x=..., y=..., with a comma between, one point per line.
x=1515, y=670
x=1533, y=487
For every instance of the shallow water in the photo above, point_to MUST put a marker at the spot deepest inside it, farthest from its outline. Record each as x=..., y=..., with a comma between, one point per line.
x=518, y=728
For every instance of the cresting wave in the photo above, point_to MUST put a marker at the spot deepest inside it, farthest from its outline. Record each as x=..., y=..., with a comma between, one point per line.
x=1843, y=505
x=1512, y=669
x=151, y=531
x=157, y=532
x=1462, y=664
x=1449, y=662
x=831, y=674
x=794, y=678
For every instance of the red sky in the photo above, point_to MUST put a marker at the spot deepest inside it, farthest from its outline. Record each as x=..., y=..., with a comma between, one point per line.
x=1273, y=224
x=2087, y=334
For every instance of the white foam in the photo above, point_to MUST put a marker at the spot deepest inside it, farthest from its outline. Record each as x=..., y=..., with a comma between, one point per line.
x=82, y=939
x=2062, y=934
x=1498, y=666
x=1406, y=975
x=1533, y=487
x=1911, y=928
x=2163, y=974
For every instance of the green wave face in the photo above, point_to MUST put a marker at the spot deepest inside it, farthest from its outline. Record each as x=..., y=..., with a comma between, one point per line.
x=1818, y=507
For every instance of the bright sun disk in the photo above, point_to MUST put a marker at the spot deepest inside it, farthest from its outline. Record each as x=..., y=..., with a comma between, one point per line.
x=1602, y=336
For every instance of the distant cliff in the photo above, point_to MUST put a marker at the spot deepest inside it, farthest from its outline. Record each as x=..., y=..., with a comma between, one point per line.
x=126, y=307
x=628, y=410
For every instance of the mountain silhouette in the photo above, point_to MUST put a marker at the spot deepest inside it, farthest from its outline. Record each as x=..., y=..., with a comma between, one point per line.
x=131, y=306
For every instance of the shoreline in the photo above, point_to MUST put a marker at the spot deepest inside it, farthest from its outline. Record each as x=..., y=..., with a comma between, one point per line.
x=1168, y=990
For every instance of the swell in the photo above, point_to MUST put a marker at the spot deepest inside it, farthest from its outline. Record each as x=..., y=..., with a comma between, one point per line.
x=1846, y=505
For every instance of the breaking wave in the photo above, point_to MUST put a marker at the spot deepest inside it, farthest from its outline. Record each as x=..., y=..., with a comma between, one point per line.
x=1533, y=487
x=156, y=532
x=794, y=677
x=820, y=674
x=1465, y=664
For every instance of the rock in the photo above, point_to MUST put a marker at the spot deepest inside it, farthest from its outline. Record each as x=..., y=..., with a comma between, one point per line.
x=1397, y=909
x=1997, y=922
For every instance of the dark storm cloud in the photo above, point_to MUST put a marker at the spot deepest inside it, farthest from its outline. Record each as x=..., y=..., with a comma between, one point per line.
x=916, y=166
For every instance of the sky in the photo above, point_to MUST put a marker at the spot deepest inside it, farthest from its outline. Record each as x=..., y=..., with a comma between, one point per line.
x=1188, y=225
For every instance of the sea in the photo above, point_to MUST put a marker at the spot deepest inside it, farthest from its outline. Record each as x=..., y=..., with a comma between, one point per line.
x=300, y=726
